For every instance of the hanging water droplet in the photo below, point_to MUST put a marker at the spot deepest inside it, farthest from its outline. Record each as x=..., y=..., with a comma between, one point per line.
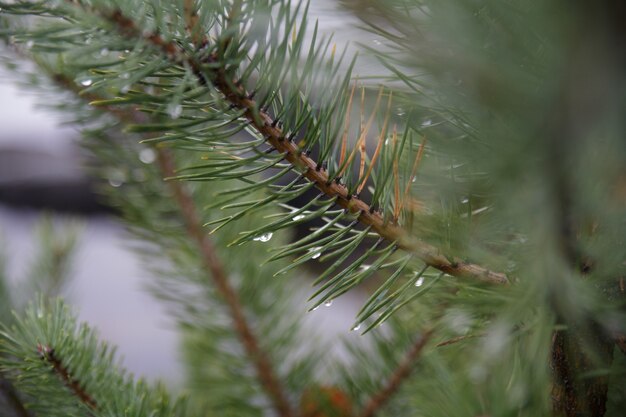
x=316, y=252
x=413, y=178
x=386, y=141
x=116, y=178
x=315, y=308
x=427, y=123
x=86, y=83
x=147, y=155
x=298, y=217
x=114, y=182
x=356, y=328
x=265, y=237
x=419, y=282
x=328, y=303
x=174, y=110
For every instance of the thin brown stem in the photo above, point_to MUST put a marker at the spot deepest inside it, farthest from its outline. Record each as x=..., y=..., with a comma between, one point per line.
x=458, y=339
x=265, y=125
x=402, y=372
x=213, y=264
x=47, y=353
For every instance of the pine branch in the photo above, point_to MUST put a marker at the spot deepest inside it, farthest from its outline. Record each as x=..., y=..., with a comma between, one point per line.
x=70, y=368
x=402, y=372
x=213, y=265
x=315, y=172
x=47, y=354
x=13, y=399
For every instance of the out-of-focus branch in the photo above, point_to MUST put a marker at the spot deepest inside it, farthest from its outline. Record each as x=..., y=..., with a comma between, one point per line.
x=382, y=397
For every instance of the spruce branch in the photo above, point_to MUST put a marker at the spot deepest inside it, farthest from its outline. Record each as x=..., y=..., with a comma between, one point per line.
x=212, y=263
x=399, y=375
x=47, y=353
x=209, y=70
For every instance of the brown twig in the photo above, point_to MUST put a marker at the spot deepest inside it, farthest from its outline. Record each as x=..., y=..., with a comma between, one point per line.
x=47, y=353
x=238, y=97
x=213, y=264
x=402, y=372
x=458, y=339
x=12, y=398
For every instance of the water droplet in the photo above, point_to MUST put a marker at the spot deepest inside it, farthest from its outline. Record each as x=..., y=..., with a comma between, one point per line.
x=124, y=75
x=427, y=123
x=365, y=267
x=174, y=110
x=29, y=44
x=104, y=51
x=400, y=111
x=86, y=83
x=125, y=88
x=147, y=155
x=356, y=328
x=115, y=182
x=413, y=179
x=39, y=314
x=298, y=217
x=465, y=200
x=386, y=141
x=116, y=178
x=315, y=308
x=265, y=237
x=316, y=252
x=328, y=303
x=377, y=42
x=419, y=282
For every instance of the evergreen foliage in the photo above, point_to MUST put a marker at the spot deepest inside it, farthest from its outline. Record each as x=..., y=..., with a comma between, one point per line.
x=476, y=187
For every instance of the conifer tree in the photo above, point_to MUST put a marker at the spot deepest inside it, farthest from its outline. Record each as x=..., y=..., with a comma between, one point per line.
x=476, y=188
